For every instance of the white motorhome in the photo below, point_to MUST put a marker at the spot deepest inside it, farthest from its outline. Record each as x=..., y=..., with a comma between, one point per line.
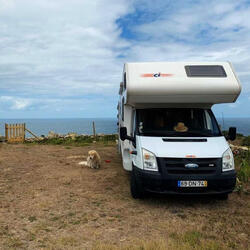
x=168, y=135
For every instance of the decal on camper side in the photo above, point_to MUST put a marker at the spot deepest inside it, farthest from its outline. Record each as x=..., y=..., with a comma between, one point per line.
x=156, y=75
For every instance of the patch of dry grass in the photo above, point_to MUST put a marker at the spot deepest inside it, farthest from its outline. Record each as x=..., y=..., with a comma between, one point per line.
x=188, y=241
x=48, y=201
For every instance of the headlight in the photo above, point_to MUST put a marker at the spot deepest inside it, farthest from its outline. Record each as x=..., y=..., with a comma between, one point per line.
x=227, y=161
x=149, y=160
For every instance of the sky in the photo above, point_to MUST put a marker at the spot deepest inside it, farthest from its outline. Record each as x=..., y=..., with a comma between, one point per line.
x=64, y=58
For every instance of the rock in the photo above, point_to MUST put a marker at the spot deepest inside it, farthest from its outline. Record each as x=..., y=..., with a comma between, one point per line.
x=72, y=135
x=238, y=150
x=52, y=135
x=238, y=147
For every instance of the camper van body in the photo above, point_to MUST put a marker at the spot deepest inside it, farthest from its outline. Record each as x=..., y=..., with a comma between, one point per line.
x=169, y=138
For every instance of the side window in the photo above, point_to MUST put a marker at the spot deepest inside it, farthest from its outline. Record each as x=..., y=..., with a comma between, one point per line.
x=133, y=131
x=208, y=124
x=215, y=125
x=122, y=108
x=124, y=81
x=211, y=122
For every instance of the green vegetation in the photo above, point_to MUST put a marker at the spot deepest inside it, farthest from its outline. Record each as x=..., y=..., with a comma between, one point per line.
x=81, y=140
x=238, y=135
x=188, y=241
x=243, y=170
x=242, y=161
x=32, y=218
x=246, y=141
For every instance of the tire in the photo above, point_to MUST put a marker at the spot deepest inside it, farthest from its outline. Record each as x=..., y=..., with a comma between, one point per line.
x=136, y=189
x=222, y=197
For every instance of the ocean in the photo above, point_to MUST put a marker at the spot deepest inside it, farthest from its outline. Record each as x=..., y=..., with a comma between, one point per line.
x=103, y=125
x=64, y=126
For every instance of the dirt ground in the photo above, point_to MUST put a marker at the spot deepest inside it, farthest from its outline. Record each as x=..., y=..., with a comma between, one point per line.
x=49, y=202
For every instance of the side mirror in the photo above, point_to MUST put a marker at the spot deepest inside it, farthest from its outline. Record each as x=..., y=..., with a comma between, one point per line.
x=231, y=134
x=123, y=133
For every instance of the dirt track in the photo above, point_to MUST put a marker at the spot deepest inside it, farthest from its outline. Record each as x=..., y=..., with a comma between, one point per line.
x=48, y=201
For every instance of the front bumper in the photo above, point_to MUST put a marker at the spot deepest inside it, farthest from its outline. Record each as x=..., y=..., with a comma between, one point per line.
x=158, y=182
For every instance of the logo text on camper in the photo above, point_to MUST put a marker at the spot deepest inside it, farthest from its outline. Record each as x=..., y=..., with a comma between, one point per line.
x=156, y=75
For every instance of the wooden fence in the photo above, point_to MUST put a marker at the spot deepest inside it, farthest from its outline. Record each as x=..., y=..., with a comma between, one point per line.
x=15, y=132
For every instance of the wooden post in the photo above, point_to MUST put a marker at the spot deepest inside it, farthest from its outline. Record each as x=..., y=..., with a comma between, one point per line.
x=94, y=132
x=11, y=131
x=6, y=132
x=15, y=130
x=31, y=133
x=24, y=128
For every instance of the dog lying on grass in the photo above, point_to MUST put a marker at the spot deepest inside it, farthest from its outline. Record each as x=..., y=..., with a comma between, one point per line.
x=93, y=160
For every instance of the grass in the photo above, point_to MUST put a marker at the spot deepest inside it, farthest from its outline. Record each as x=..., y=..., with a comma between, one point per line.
x=14, y=243
x=32, y=218
x=188, y=241
x=80, y=140
x=63, y=206
x=192, y=238
x=243, y=170
x=246, y=141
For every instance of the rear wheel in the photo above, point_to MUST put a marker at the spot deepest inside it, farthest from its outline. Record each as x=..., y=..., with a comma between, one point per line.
x=136, y=188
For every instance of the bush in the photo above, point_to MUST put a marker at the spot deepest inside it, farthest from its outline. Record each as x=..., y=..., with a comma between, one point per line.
x=80, y=140
x=243, y=173
x=238, y=135
x=246, y=141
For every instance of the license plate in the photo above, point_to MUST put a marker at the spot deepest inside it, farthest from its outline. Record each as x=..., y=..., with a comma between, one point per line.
x=192, y=183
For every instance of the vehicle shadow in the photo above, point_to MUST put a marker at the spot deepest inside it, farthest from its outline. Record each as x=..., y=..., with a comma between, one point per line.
x=183, y=200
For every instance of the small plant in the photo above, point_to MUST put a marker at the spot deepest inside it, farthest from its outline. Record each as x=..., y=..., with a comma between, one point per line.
x=243, y=174
x=32, y=218
x=192, y=238
x=246, y=141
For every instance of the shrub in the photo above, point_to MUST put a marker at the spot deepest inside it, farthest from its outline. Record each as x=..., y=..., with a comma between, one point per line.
x=246, y=141
x=243, y=173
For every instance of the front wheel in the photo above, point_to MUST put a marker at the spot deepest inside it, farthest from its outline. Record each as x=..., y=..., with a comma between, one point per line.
x=136, y=188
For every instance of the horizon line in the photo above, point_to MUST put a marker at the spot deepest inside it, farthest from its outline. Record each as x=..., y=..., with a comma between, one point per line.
x=99, y=118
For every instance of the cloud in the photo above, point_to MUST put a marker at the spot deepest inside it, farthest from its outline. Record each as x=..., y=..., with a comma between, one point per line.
x=187, y=31
x=60, y=48
x=60, y=56
x=53, y=107
x=234, y=105
x=11, y=103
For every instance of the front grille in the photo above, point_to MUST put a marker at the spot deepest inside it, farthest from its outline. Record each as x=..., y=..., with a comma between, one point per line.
x=177, y=165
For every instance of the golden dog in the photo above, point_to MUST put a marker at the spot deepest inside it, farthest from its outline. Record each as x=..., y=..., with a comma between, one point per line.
x=93, y=160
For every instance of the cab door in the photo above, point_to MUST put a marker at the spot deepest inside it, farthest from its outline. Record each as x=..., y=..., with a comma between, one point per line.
x=135, y=152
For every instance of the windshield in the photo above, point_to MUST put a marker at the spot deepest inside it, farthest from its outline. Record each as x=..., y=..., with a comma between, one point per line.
x=183, y=122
